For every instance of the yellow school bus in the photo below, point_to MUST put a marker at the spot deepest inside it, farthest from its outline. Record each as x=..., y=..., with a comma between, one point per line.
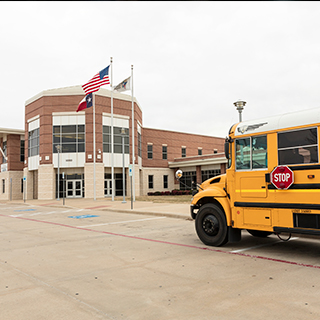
x=272, y=184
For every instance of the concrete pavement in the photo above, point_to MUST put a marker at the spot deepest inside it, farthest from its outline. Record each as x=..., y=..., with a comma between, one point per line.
x=173, y=210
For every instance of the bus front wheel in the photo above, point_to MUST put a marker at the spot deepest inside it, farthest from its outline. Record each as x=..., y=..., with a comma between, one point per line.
x=211, y=225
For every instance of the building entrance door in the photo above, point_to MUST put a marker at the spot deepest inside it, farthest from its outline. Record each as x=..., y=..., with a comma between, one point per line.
x=74, y=189
x=107, y=187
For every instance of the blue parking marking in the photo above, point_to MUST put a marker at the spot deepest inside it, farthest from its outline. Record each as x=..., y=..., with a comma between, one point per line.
x=84, y=216
x=25, y=210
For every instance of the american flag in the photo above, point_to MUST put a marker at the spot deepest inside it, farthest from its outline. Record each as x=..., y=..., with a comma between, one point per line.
x=97, y=81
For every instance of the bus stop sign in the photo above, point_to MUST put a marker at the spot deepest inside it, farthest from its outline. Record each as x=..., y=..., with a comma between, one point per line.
x=282, y=177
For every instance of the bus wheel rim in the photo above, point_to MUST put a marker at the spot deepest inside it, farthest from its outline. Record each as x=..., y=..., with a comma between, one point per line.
x=210, y=225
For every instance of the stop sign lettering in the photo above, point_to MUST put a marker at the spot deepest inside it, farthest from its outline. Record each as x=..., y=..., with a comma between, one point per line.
x=282, y=177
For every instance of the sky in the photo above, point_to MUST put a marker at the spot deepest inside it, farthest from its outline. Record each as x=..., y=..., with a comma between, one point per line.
x=191, y=59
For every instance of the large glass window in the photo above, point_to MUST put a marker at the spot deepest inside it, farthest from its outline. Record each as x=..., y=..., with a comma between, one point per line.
x=71, y=138
x=251, y=153
x=187, y=180
x=33, y=143
x=117, y=139
x=207, y=174
x=297, y=147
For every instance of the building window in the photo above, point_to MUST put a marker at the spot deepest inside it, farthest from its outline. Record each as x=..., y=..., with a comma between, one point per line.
x=164, y=153
x=150, y=181
x=4, y=149
x=3, y=186
x=118, y=136
x=207, y=174
x=117, y=140
x=71, y=138
x=183, y=152
x=139, y=145
x=199, y=152
x=22, y=150
x=33, y=143
x=106, y=139
x=150, y=152
x=165, y=182
x=187, y=180
x=21, y=185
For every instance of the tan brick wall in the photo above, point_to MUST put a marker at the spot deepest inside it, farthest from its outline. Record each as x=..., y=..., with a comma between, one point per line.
x=158, y=174
x=46, y=182
x=89, y=179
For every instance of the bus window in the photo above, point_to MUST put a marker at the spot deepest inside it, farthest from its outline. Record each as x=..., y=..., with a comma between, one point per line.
x=298, y=147
x=251, y=153
x=243, y=154
x=259, y=152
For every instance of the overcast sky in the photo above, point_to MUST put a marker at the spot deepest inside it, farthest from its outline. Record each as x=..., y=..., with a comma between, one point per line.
x=192, y=60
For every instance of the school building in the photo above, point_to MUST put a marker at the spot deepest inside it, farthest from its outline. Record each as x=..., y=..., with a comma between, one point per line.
x=55, y=152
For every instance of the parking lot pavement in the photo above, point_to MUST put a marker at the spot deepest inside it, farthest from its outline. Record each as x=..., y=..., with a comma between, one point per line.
x=174, y=210
x=78, y=263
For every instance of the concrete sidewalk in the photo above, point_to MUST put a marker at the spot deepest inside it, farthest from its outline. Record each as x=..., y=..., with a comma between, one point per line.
x=174, y=210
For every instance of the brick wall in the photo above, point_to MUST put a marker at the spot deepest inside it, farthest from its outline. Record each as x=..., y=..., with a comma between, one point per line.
x=174, y=141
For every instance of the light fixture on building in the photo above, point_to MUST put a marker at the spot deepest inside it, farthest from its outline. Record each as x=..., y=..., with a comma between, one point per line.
x=240, y=106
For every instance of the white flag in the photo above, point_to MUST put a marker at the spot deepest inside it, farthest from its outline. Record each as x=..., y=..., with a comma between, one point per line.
x=123, y=86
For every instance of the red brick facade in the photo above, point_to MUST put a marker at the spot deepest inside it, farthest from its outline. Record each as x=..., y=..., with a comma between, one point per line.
x=174, y=142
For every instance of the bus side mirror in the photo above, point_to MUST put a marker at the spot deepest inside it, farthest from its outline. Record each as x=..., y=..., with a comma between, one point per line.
x=178, y=174
x=226, y=149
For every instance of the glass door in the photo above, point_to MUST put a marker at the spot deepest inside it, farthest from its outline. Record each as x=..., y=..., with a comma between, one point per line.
x=107, y=187
x=74, y=189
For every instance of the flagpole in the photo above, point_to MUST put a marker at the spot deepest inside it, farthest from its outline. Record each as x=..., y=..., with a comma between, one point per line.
x=112, y=164
x=94, y=145
x=133, y=156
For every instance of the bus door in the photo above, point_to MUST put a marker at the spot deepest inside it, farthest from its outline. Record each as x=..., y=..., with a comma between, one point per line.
x=250, y=186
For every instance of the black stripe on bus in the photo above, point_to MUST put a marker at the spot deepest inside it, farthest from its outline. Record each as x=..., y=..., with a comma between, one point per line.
x=301, y=186
x=309, y=167
x=274, y=205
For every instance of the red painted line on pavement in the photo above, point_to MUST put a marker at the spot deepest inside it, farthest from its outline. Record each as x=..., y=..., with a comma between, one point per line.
x=170, y=243
x=97, y=207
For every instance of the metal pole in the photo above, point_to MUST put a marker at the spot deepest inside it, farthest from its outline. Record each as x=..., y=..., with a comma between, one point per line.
x=123, y=176
x=58, y=148
x=63, y=187
x=112, y=164
x=94, y=146
x=24, y=190
x=133, y=155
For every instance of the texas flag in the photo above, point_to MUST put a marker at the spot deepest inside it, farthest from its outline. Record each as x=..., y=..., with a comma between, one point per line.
x=86, y=102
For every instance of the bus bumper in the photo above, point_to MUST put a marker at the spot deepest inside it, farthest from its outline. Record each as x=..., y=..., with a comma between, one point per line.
x=193, y=211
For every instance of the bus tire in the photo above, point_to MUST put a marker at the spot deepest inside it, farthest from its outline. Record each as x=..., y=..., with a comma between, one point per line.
x=259, y=234
x=211, y=225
